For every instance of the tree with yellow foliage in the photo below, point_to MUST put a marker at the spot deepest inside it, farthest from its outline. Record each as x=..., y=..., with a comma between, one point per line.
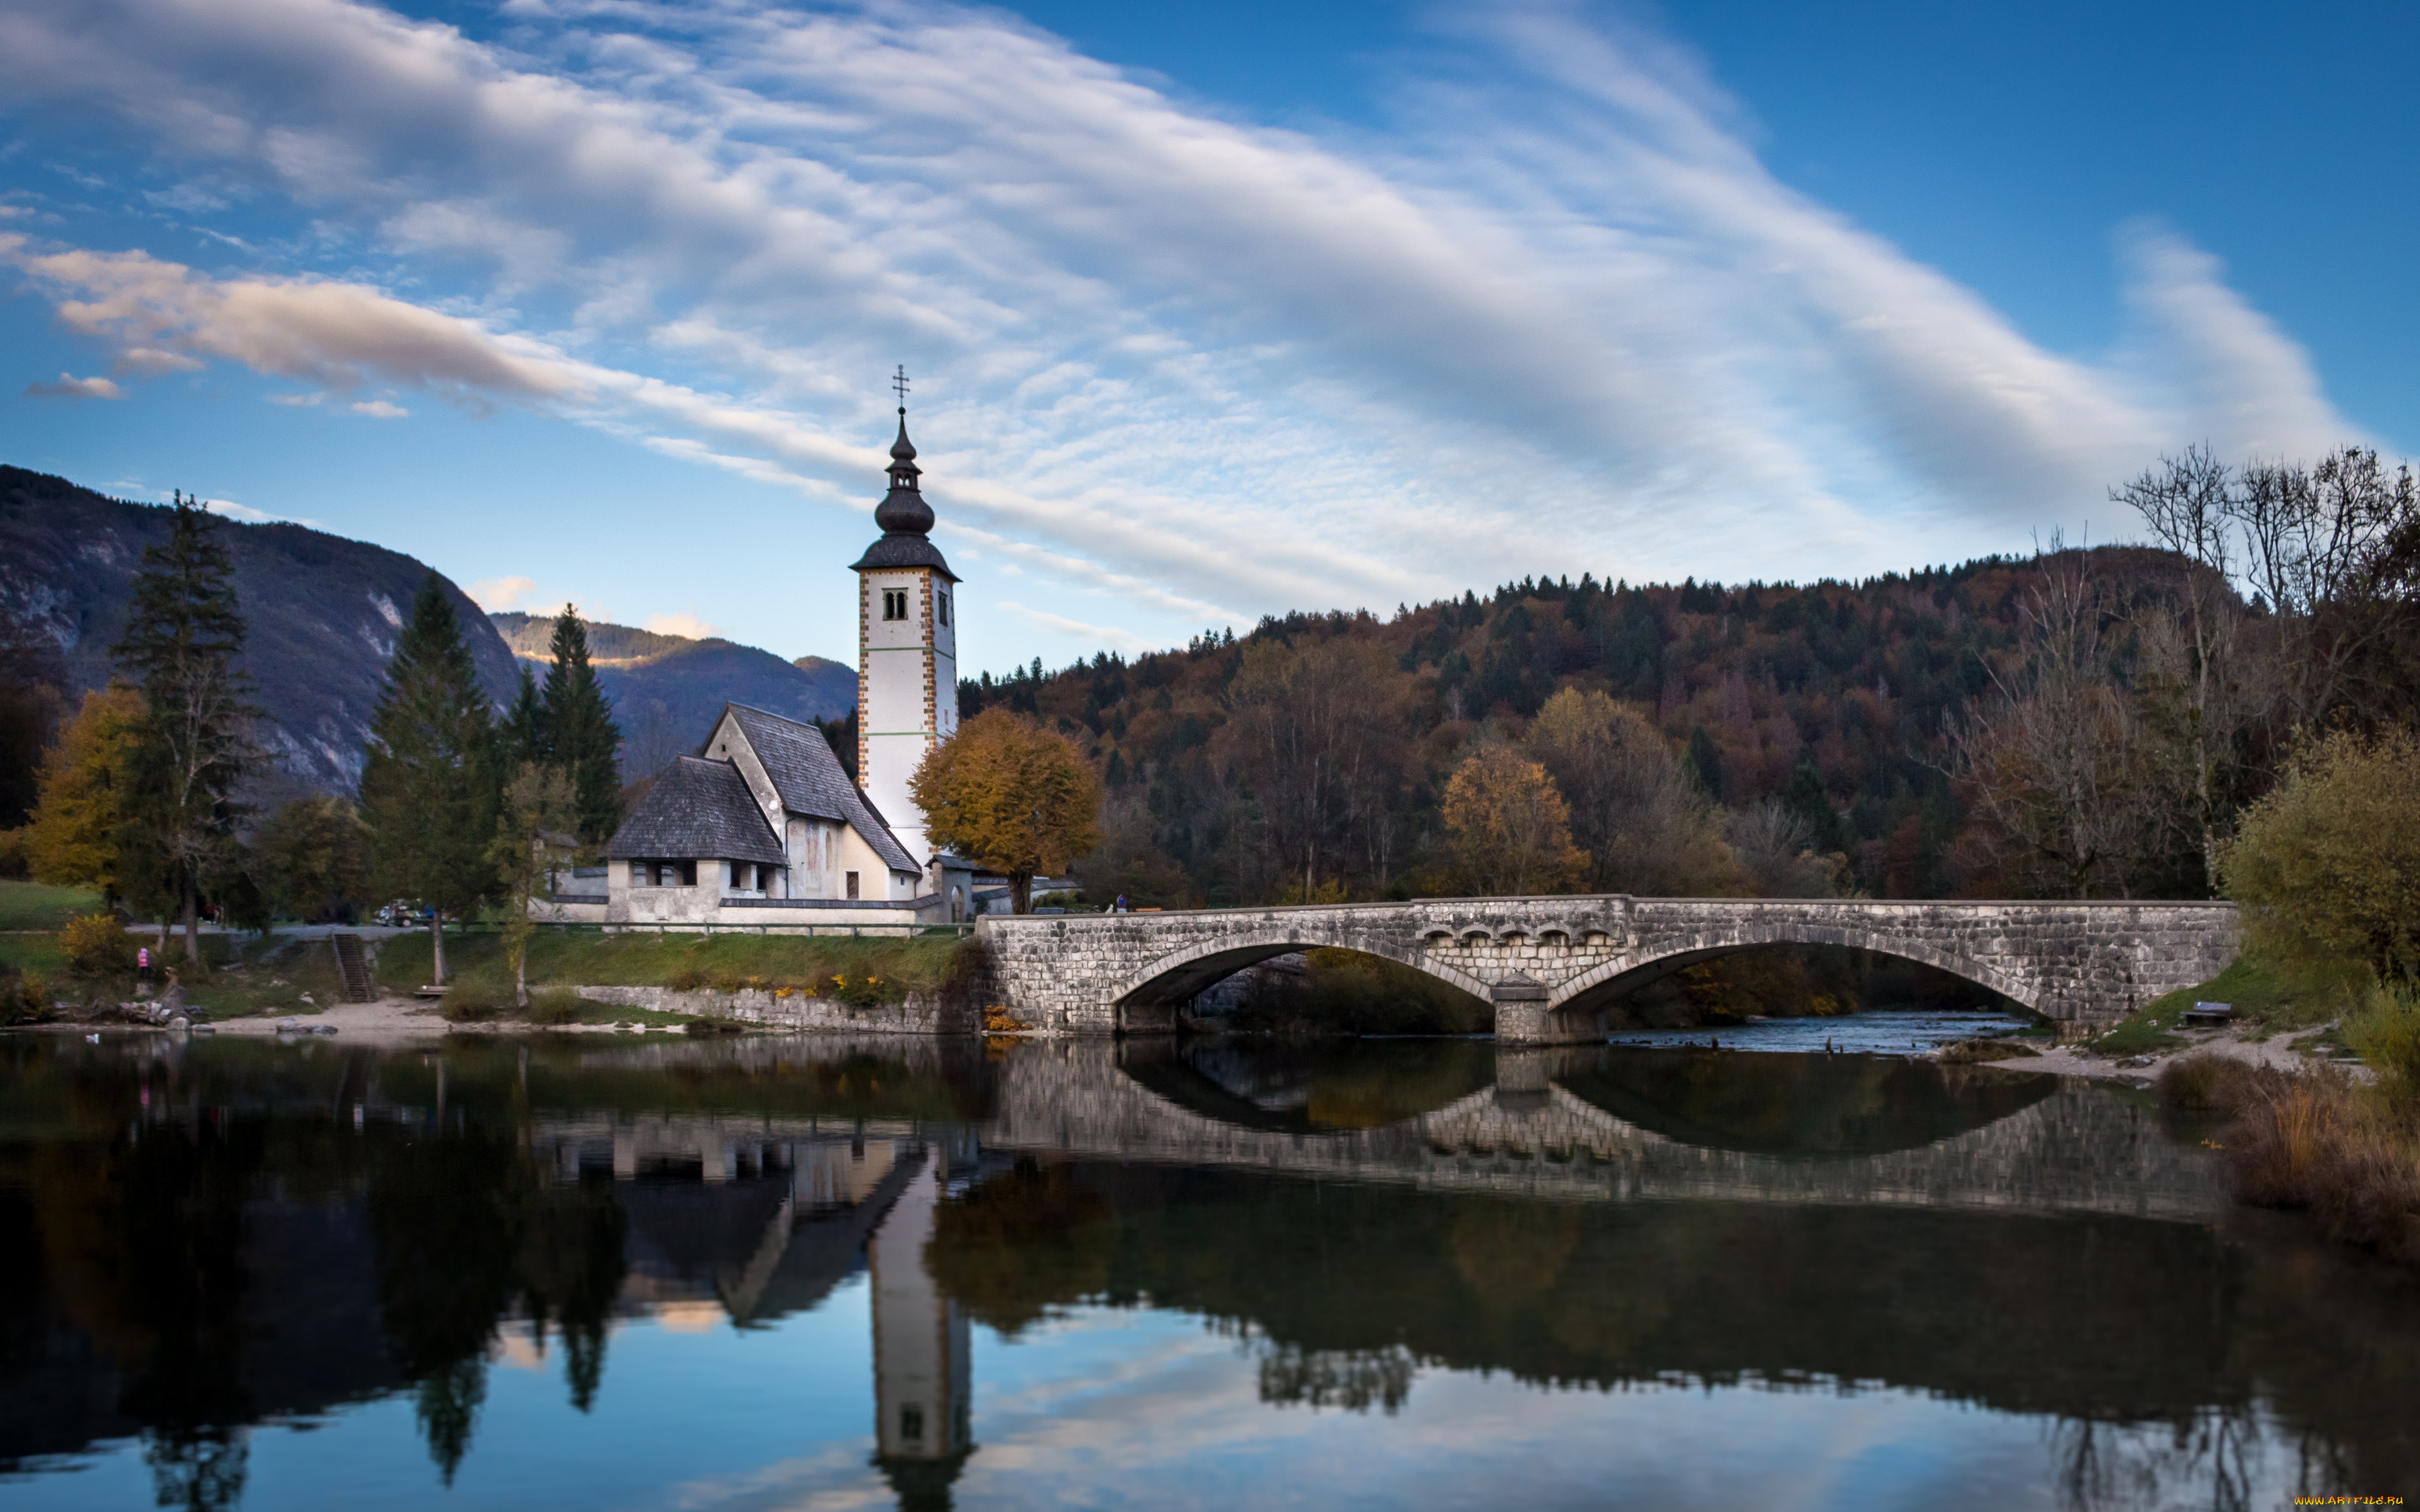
x=1010, y=795
x=1511, y=831
x=72, y=841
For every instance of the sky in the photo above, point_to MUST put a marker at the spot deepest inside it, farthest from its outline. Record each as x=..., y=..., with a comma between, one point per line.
x=1209, y=311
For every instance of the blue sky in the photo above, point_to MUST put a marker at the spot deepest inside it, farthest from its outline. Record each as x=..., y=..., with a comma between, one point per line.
x=1212, y=310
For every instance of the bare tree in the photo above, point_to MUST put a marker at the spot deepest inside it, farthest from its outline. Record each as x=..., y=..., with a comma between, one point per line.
x=2190, y=666
x=2333, y=553
x=2054, y=759
x=1308, y=737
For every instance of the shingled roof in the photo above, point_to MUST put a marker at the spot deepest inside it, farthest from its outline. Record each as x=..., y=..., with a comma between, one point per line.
x=698, y=809
x=808, y=779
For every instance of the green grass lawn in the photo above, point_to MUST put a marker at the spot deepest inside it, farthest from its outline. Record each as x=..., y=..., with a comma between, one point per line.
x=35, y=906
x=2270, y=999
x=579, y=958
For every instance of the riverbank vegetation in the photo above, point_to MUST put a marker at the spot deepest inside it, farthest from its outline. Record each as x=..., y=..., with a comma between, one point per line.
x=2327, y=866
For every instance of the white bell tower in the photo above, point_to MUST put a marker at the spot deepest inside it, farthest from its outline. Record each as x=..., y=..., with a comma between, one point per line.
x=906, y=650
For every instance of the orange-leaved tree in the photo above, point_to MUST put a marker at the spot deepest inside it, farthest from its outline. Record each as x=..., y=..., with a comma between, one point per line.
x=73, y=840
x=1008, y=795
x=1509, y=829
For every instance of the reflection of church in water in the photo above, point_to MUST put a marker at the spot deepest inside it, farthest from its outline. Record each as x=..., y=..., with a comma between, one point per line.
x=773, y=1222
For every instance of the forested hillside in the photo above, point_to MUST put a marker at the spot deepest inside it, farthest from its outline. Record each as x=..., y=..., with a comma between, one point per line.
x=1311, y=755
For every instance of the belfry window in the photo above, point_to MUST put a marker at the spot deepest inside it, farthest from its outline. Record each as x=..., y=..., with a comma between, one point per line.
x=942, y=607
x=894, y=603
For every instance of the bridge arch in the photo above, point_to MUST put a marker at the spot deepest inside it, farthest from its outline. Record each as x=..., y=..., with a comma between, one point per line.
x=1175, y=979
x=1633, y=969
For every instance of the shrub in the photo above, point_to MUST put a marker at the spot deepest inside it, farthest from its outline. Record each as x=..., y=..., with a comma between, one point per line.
x=2327, y=864
x=97, y=946
x=2199, y=1082
x=25, y=997
x=2386, y=1034
x=14, y=864
x=555, y=1004
x=861, y=989
x=471, y=1000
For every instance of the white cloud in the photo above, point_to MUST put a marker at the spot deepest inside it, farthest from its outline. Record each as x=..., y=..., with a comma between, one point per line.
x=379, y=409
x=1106, y=635
x=297, y=401
x=498, y=594
x=71, y=387
x=247, y=515
x=682, y=624
x=1185, y=368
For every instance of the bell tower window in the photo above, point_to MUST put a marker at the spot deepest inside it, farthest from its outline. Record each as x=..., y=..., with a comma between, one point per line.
x=894, y=603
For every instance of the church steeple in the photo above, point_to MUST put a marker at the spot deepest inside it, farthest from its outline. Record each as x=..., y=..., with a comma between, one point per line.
x=903, y=510
x=907, y=648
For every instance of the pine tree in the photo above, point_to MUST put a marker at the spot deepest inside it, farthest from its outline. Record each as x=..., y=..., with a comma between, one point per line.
x=193, y=745
x=521, y=738
x=580, y=733
x=428, y=779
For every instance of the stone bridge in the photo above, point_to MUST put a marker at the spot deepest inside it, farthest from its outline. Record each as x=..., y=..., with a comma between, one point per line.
x=1550, y=965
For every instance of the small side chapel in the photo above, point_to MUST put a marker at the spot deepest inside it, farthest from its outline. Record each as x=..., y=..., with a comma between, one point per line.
x=762, y=818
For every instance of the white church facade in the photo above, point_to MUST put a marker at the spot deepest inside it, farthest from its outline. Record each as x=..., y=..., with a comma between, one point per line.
x=763, y=828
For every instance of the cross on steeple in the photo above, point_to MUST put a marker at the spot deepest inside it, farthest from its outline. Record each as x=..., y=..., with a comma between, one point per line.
x=899, y=386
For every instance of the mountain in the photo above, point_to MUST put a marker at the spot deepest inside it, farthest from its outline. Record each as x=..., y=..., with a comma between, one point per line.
x=320, y=613
x=667, y=689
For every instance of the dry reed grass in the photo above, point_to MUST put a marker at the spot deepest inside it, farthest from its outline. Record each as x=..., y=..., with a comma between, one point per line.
x=2314, y=1140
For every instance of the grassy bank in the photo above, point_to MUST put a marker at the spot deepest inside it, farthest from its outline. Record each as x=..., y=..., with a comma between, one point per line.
x=879, y=970
x=2318, y=1139
x=35, y=906
x=2269, y=999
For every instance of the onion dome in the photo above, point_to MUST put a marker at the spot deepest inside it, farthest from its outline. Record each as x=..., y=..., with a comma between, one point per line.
x=904, y=517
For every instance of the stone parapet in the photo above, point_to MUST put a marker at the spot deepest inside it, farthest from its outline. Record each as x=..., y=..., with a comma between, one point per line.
x=2074, y=963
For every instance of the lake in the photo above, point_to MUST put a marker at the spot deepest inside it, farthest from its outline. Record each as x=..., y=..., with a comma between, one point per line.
x=614, y=1273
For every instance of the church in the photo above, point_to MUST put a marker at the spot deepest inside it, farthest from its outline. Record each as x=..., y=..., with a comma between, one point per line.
x=763, y=827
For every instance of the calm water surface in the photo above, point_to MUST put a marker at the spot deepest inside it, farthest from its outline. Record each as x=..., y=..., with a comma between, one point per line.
x=823, y=1275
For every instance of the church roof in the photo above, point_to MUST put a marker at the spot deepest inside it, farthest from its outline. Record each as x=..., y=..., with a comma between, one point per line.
x=904, y=517
x=904, y=551
x=808, y=779
x=697, y=808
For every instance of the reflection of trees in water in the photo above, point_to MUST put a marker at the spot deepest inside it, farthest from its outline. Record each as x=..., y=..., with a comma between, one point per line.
x=1027, y=1240
x=468, y=1226
x=201, y=1468
x=1812, y=1105
x=1352, y=1380
x=2212, y=1458
x=146, y=1239
x=1509, y=1252
x=2094, y=1321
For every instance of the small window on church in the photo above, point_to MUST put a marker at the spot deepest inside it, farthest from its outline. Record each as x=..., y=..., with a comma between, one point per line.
x=894, y=603
x=851, y=879
x=941, y=604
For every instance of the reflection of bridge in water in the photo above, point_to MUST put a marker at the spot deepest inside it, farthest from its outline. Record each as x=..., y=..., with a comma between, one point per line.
x=2068, y=1149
